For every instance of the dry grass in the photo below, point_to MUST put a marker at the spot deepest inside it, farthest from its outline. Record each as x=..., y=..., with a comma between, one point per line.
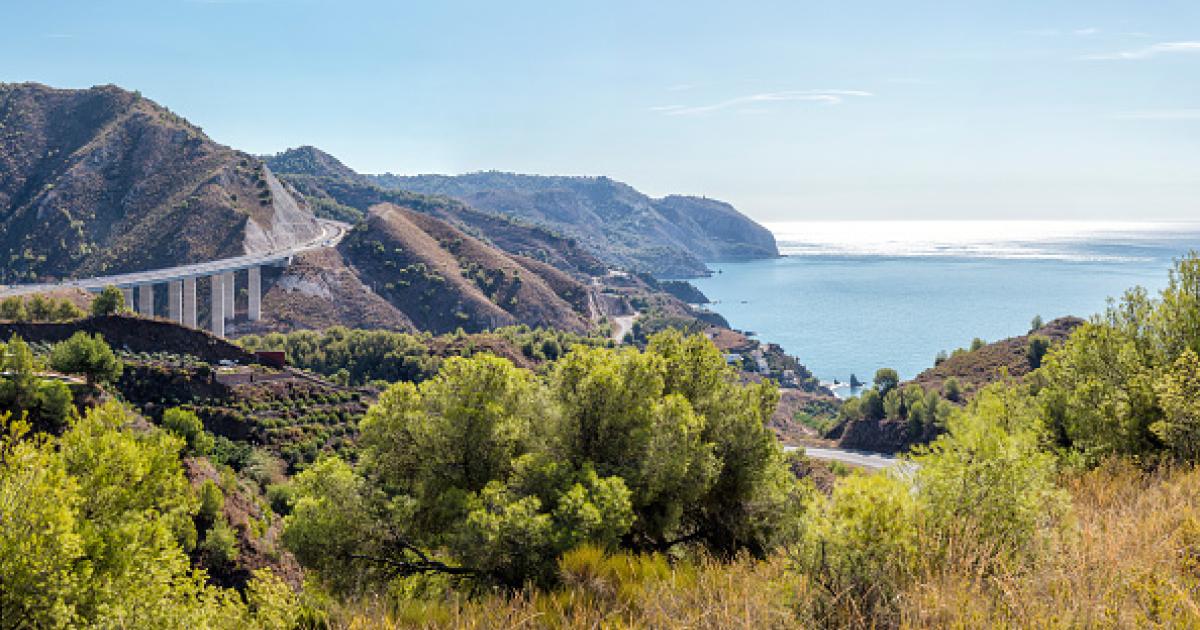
x=1129, y=558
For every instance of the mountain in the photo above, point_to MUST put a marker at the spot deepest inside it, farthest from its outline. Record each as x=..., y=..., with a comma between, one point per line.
x=672, y=236
x=443, y=278
x=335, y=191
x=103, y=180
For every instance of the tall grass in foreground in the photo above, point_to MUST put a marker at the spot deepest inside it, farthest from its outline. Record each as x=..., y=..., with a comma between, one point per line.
x=1129, y=557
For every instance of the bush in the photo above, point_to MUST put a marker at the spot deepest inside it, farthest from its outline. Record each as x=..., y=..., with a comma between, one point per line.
x=219, y=548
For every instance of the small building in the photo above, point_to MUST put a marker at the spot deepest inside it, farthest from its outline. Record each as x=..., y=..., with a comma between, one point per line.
x=271, y=358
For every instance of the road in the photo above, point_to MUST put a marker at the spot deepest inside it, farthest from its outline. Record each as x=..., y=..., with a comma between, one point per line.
x=621, y=324
x=861, y=459
x=332, y=234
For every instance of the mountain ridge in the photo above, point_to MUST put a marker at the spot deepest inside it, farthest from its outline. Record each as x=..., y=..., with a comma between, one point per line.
x=669, y=236
x=124, y=184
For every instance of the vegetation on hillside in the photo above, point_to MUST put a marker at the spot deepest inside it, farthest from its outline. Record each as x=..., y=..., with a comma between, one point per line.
x=642, y=487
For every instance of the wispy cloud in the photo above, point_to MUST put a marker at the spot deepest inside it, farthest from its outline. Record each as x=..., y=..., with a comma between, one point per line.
x=1146, y=52
x=1162, y=114
x=1056, y=32
x=754, y=102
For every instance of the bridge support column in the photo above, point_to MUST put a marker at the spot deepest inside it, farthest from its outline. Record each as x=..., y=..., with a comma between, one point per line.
x=254, y=309
x=175, y=301
x=217, y=309
x=227, y=279
x=146, y=300
x=128, y=293
x=189, y=302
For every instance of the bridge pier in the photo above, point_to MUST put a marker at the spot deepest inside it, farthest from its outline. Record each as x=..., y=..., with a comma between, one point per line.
x=217, y=309
x=254, y=308
x=146, y=300
x=127, y=292
x=227, y=280
x=175, y=301
x=189, y=302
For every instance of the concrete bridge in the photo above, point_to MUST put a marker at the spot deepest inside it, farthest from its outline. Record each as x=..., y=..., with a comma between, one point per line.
x=180, y=282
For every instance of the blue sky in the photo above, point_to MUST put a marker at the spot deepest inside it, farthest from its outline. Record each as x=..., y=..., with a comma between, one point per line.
x=790, y=110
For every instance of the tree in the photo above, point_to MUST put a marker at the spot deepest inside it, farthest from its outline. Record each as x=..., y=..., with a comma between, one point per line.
x=989, y=475
x=885, y=380
x=977, y=344
x=12, y=309
x=951, y=389
x=92, y=527
x=66, y=311
x=186, y=424
x=87, y=355
x=39, y=308
x=1036, y=351
x=872, y=405
x=1179, y=395
x=110, y=301
x=485, y=470
x=48, y=403
x=1097, y=394
x=1036, y=324
x=20, y=384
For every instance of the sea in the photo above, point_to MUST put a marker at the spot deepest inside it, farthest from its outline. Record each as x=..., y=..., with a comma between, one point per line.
x=849, y=297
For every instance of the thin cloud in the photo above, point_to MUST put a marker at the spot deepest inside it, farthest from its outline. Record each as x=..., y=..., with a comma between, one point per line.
x=1087, y=32
x=1164, y=48
x=757, y=101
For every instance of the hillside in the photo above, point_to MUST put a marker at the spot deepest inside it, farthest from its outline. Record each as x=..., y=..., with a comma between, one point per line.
x=672, y=236
x=443, y=279
x=972, y=369
x=103, y=180
x=336, y=191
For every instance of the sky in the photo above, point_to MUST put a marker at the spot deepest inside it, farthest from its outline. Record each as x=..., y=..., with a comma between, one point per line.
x=797, y=110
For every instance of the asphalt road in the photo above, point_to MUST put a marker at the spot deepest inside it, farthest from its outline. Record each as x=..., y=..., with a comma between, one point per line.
x=860, y=459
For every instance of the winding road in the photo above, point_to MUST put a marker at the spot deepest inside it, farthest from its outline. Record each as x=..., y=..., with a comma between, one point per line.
x=861, y=459
x=332, y=233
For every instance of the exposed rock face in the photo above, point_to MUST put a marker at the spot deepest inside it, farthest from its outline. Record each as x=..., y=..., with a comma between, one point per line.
x=672, y=236
x=103, y=181
x=319, y=290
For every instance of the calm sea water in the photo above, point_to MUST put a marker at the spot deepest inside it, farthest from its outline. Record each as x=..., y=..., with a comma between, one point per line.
x=851, y=297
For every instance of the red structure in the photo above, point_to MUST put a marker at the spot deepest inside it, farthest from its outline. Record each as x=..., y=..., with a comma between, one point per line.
x=272, y=358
